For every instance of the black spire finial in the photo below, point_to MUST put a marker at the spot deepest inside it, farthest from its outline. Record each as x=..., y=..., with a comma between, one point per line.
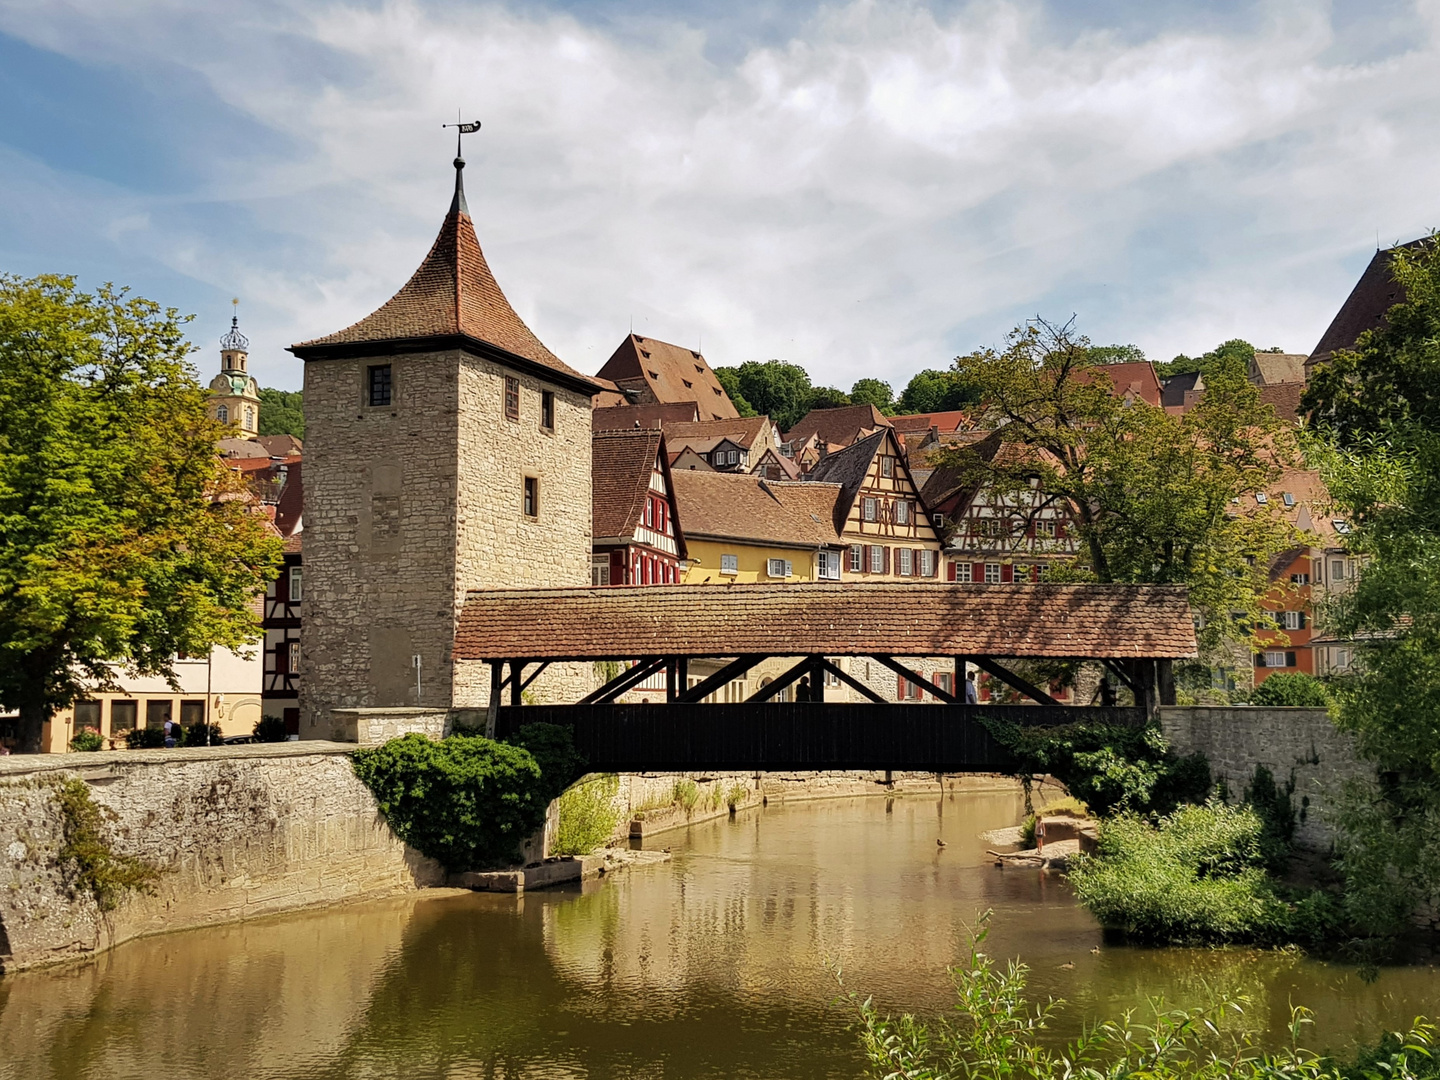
x=235, y=340
x=457, y=204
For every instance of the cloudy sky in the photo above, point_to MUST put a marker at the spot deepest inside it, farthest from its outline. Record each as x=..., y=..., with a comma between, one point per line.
x=862, y=188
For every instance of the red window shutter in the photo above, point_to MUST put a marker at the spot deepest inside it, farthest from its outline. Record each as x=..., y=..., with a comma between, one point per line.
x=950, y=571
x=887, y=560
x=1007, y=573
x=977, y=571
x=900, y=687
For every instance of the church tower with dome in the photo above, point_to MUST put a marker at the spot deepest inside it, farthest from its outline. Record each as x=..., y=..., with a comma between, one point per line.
x=234, y=393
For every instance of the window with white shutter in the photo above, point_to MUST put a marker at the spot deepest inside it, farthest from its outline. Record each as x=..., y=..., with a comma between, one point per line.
x=778, y=568
x=729, y=564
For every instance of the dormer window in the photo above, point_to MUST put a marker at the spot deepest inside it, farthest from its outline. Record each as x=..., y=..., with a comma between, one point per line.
x=1289, y=499
x=1261, y=498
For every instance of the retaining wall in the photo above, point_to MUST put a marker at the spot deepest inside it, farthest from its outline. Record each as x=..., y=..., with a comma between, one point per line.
x=1301, y=742
x=238, y=832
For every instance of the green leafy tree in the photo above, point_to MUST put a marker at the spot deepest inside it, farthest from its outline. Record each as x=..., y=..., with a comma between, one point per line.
x=1155, y=497
x=1379, y=408
x=123, y=539
x=779, y=390
x=873, y=392
x=1292, y=690
x=1117, y=354
x=1226, y=353
x=936, y=391
x=730, y=380
x=282, y=412
x=826, y=397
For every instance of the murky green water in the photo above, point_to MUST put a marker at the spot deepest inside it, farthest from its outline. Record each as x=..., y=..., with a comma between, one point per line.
x=711, y=966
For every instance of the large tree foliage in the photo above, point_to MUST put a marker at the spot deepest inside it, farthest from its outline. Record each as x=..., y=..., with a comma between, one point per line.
x=1380, y=404
x=774, y=388
x=1155, y=497
x=873, y=392
x=936, y=391
x=282, y=412
x=123, y=540
x=730, y=379
x=1225, y=353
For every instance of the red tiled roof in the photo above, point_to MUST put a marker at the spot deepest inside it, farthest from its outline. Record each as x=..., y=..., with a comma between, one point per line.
x=743, y=431
x=736, y=506
x=453, y=293
x=1365, y=308
x=901, y=618
x=1286, y=399
x=840, y=426
x=671, y=373
x=621, y=464
x=1134, y=377
x=946, y=422
x=612, y=418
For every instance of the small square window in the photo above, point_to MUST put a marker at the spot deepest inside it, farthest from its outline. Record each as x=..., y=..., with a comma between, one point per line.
x=778, y=568
x=87, y=715
x=828, y=567
x=379, y=385
x=547, y=410
x=963, y=572
x=600, y=570
x=531, y=497
x=512, y=398
x=1289, y=499
x=1261, y=498
x=122, y=715
x=992, y=573
x=729, y=564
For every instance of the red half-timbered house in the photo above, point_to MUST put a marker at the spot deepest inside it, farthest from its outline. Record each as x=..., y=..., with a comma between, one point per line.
x=637, y=536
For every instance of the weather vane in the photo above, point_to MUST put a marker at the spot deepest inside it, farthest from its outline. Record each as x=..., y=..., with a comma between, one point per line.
x=462, y=129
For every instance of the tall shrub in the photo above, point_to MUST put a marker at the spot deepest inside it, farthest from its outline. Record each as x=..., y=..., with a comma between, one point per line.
x=467, y=801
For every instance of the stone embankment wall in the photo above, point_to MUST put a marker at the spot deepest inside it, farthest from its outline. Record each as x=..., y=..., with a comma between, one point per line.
x=1303, y=743
x=237, y=832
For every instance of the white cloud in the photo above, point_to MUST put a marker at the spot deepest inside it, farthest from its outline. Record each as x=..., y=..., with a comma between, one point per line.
x=885, y=189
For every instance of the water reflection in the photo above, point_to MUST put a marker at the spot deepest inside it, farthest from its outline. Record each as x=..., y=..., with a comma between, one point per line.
x=714, y=965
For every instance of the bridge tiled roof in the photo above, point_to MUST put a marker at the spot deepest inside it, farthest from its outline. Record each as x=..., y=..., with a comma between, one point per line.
x=895, y=618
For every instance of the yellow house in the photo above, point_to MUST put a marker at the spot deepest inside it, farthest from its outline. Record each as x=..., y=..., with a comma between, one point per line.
x=745, y=528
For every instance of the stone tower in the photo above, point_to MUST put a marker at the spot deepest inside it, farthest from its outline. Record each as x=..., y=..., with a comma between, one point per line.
x=446, y=449
x=234, y=393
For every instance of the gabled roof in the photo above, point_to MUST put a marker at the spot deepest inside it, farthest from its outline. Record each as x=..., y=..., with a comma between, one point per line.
x=742, y=507
x=1134, y=379
x=746, y=431
x=613, y=417
x=945, y=423
x=1175, y=387
x=1273, y=369
x=621, y=466
x=840, y=426
x=451, y=301
x=671, y=372
x=849, y=468
x=908, y=618
x=1364, y=309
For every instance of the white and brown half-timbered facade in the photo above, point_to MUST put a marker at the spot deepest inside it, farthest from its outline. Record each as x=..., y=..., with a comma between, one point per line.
x=637, y=537
x=280, y=620
x=880, y=515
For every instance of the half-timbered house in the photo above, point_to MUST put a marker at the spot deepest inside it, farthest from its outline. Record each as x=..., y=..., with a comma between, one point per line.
x=880, y=514
x=280, y=686
x=637, y=537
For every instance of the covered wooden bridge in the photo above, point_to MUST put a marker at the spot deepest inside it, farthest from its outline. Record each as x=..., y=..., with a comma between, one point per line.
x=1135, y=631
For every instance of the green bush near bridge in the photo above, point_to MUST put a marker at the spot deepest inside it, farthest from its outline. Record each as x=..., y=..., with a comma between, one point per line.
x=466, y=800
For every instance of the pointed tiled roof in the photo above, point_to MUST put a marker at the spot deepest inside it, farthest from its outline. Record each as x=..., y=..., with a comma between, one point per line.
x=1365, y=308
x=664, y=373
x=452, y=295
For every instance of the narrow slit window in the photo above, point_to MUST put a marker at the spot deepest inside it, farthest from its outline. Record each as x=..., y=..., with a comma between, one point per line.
x=512, y=398
x=532, y=497
x=379, y=385
x=547, y=410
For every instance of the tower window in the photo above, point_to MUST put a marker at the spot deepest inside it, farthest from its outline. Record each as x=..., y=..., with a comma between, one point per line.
x=379, y=384
x=222, y=414
x=531, y=499
x=512, y=398
x=547, y=410
x=249, y=416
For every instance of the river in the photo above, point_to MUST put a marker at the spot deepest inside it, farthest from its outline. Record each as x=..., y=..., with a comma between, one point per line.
x=717, y=964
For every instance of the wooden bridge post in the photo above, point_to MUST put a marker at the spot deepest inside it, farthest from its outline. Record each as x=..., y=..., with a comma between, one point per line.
x=492, y=707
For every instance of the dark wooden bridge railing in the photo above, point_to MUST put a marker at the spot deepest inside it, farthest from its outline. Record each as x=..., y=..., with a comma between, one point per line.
x=796, y=735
